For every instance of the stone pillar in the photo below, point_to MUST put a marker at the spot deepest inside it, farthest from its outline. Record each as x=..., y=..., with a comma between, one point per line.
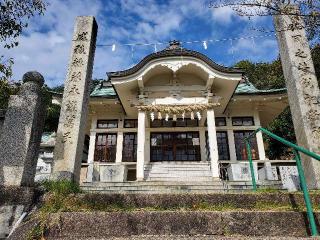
x=119, y=142
x=92, y=146
x=22, y=130
x=260, y=144
x=141, y=145
x=71, y=130
x=232, y=146
x=213, y=146
x=303, y=90
x=202, y=135
x=268, y=171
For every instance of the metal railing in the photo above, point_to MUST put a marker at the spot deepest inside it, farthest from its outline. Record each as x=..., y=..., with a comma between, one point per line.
x=296, y=150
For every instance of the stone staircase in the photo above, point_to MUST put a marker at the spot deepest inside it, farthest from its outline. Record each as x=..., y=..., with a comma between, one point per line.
x=177, y=216
x=155, y=187
x=163, y=187
x=176, y=177
x=178, y=171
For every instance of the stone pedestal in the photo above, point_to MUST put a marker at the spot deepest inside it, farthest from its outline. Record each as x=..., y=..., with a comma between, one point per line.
x=71, y=130
x=113, y=173
x=241, y=171
x=21, y=136
x=303, y=90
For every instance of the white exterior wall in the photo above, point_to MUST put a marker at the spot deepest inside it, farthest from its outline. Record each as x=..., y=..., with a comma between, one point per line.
x=146, y=150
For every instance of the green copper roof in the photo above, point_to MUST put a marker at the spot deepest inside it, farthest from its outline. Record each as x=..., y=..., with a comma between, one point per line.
x=248, y=88
x=106, y=90
x=103, y=89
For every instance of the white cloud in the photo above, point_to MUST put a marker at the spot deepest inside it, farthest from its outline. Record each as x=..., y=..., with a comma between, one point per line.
x=45, y=45
x=223, y=15
x=257, y=49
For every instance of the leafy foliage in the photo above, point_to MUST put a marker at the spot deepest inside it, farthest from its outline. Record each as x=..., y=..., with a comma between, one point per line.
x=283, y=127
x=264, y=75
x=270, y=75
x=14, y=16
x=6, y=89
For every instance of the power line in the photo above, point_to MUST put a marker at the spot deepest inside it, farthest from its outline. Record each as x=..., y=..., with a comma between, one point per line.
x=204, y=42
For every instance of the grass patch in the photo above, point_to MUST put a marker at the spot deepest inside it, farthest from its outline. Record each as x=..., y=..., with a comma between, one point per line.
x=60, y=198
x=63, y=187
x=267, y=190
x=205, y=206
x=265, y=206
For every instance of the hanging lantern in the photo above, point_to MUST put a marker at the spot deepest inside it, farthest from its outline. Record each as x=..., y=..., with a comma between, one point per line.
x=183, y=115
x=159, y=116
x=167, y=117
x=174, y=118
x=192, y=116
x=199, y=115
x=152, y=116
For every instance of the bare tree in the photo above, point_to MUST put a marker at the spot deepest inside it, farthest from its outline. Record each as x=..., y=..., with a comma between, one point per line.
x=309, y=11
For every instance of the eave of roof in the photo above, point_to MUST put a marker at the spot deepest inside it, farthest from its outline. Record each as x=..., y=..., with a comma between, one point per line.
x=171, y=53
x=247, y=88
x=103, y=91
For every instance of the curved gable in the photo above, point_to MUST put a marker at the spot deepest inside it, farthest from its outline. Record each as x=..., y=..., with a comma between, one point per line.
x=173, y=52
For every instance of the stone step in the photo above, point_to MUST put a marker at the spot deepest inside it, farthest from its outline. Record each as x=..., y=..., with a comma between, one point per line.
x=173, y=184
x=178, y=166
x=154, y=183
x=178, y=174
x=175, y=171
x=167, y=170
x=152, y=188
x=194, y=179
x=97, y=225
x=187, y=237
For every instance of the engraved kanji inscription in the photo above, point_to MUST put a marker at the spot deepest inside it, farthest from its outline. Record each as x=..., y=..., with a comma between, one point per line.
x=316, y=132
x=304, y=67
x=297, y=37
x=82, y=36
x=79, y=49
x=75, y=77
x=69, y=121
x=66, y=136
x=74, y=89
x=307, y=82
x=300, y=53
x=71, y=106
x=313, y=115
x=310, y=99
x=77, y=62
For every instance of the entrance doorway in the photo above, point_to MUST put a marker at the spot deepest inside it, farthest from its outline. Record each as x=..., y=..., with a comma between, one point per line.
x=175, y=146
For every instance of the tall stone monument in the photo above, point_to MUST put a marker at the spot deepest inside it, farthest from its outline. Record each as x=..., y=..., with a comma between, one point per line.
x=70, y=135
x=303, y=89
x=21, y=133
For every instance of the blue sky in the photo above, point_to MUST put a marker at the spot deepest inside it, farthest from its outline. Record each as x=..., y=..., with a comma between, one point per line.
x=45, y=44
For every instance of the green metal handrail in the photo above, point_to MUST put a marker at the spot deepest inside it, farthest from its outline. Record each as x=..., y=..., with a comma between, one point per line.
x=296, y=150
